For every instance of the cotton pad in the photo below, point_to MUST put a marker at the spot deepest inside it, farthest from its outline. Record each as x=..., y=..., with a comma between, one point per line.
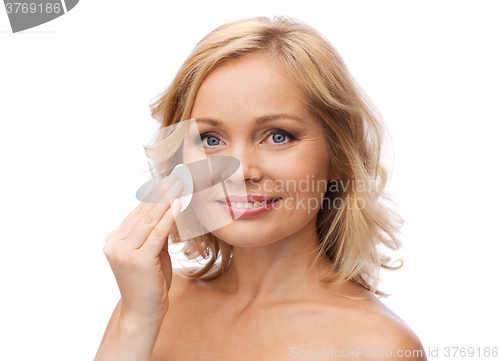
x=184, y=174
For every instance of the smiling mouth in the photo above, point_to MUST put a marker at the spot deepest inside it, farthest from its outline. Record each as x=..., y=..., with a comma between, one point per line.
x=247, y=205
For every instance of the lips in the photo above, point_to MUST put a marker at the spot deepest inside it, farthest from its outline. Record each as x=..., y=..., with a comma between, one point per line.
x=247, y=199
x=247, y=207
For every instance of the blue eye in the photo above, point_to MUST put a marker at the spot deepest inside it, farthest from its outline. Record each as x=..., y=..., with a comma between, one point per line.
x=279, y=137
x=212, y=141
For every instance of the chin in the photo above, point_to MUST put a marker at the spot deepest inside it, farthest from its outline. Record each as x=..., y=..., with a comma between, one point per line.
x=243, y=238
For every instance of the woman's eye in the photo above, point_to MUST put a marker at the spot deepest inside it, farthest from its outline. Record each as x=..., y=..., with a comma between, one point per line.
x=208, y=140
x=212, y=141
x=280, y=137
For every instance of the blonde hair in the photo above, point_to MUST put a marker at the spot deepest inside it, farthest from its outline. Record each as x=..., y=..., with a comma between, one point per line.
x=349, y=235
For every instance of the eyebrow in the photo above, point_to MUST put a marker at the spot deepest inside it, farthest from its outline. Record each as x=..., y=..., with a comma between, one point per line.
x=258, y=121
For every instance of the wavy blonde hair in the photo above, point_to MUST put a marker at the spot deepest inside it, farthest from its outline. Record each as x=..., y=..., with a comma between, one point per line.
x=349, y=235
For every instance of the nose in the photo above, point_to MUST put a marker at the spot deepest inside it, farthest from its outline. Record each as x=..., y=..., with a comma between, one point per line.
x=250, y=165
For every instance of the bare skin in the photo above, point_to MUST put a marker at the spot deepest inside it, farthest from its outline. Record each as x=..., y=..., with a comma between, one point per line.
x=269, y=304
x=220, y=329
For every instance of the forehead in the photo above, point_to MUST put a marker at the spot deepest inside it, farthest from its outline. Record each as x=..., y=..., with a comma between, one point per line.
x=249, y=87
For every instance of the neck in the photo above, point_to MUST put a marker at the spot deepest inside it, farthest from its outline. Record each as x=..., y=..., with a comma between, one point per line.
x=282, y=269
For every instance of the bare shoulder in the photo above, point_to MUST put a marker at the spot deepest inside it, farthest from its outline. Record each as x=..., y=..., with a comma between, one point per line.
x=373, y=330
x=383, y=328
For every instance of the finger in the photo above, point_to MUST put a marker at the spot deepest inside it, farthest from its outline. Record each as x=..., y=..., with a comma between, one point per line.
x=155, y=196
x=147, y=223
x=157, y=240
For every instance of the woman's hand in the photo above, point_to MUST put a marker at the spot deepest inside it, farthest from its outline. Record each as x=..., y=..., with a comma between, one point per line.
x=138, y=253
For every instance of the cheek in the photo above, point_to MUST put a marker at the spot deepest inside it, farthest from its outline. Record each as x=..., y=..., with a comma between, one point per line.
x=302, y=176
x=302, y=192
x=191, y=155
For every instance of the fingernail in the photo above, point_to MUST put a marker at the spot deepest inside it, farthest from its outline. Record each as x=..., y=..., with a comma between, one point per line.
x=176, y=203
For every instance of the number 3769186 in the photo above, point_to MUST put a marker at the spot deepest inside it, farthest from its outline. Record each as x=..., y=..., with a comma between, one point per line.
x=32, y=8
x=471, y=352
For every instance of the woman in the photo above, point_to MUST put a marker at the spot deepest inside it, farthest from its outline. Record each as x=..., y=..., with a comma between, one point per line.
x=289, y=280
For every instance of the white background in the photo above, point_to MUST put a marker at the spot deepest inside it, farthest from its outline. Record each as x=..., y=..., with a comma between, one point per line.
x=74, y=113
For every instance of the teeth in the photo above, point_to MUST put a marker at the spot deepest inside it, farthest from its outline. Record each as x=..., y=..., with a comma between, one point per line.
x=248, y=205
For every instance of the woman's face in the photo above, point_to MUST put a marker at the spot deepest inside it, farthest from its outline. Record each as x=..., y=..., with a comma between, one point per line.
x=249, y=110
